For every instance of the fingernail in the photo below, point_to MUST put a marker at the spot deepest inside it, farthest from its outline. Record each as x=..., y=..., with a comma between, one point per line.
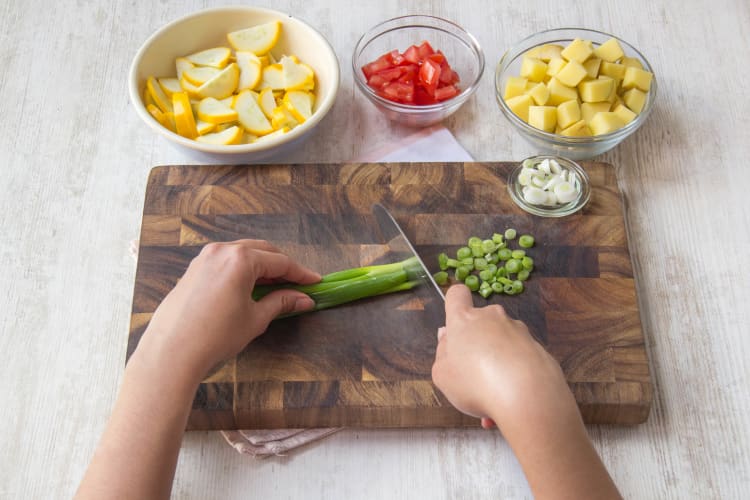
x=441, y=332
x=303, y=304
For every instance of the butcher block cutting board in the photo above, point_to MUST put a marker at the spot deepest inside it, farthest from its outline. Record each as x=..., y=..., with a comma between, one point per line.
x=367, y=364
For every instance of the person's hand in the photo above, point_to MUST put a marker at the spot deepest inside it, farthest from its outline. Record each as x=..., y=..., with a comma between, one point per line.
x=210, y=315
x=488, y=365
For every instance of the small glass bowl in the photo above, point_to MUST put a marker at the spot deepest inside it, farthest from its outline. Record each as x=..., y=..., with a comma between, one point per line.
x=581, y=183
x=460, y=48
x=577, y=148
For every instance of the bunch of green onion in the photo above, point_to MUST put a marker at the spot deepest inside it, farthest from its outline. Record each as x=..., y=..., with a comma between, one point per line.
x=353, y=284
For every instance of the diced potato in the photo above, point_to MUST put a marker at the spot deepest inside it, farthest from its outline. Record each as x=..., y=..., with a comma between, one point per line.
x=540, y=93
x=568, y=113
x=543, y=117
x=578, y=129
x=616, y=102
x=520, y=106
x=624, y=113
x=589, y=109
x=533, y=69
x=613, y=70
x=596, y=90
x=631, y=62
x=609, y=51
x=555, y=65
x=559, y=93
x=606, y=122
x=571, y=74
x=550, y=51
x=515, y=86
x=592, y=66
x=578, y=50
x=637, y=78
x=635, y=100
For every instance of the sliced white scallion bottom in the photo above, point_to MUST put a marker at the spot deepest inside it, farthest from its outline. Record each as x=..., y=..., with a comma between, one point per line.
x=547, y=183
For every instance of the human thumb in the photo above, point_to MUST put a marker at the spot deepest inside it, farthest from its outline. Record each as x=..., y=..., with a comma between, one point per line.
x=283, y=302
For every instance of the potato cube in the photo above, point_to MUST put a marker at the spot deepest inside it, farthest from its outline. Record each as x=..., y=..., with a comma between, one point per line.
x=633, y=62
x=605, y=123
x=543, y=117
x=635, y=100
x=637, y=78
x=514, y=86
x=596, y=90
x=613, y=94
x=616, y=103
x=578, y=50
x=520, y=106
x=592, y=67
x=612, y=70
x=589, y=109
x=533, y=69
x=571, y=74
x=540, y=93
x=624, y=113
x=578, y=129
x=609, y=51
x=545, y=52
x=568, y=113
x=555, y=65
x=559, y=93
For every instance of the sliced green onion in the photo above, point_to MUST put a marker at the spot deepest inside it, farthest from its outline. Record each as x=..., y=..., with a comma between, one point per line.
x=508, y=289
x=441, y=278
x=497, y=287
x=485, y=292
x=526, y=241
x=467, y=261
x=486, y=274
x=476, y=249
x=523, y=275
x=474, y=241
x=518, y=254
x=472, y=282
x=504, y=254
x=501, y=272
x=497, y=238
x=510, y=234
x=488, y=246
x=513, y=266
x=517, y=286
x=527, y=263
x=463, y=252
x=505, y=281
x=462, y=272
x=492, y=268
x=443, y=261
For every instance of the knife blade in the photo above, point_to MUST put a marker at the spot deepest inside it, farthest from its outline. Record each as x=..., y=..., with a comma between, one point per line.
x=396, y=239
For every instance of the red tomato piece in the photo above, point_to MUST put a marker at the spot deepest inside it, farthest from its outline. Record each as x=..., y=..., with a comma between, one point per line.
x=425, y=49
x=429, y=76
x=379, y=64
x=412, y=54
x=395, y=57
x=422, y=98
x=437, y=57
x=401, y=92
x=446, y=92
x=408, y=73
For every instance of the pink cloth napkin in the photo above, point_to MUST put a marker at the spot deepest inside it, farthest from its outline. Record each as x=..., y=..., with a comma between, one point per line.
x=435, y=143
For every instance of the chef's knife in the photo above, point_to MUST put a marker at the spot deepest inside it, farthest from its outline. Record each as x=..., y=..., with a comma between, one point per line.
x=397, y=241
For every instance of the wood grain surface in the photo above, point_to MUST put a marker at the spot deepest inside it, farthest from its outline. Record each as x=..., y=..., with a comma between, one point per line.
x=368, y=364
x=75, y=160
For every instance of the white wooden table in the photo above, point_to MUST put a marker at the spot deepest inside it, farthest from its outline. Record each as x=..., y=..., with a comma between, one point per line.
x=74, y=159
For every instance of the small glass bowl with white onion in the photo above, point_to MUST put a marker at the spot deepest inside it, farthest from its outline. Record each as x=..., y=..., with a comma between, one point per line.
x=549, y=186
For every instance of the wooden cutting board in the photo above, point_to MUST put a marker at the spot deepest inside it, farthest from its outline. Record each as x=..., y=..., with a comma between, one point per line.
x=368, y=364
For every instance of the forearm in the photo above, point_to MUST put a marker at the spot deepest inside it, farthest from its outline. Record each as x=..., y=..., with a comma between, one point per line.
x=137, y=455
x=559, y=460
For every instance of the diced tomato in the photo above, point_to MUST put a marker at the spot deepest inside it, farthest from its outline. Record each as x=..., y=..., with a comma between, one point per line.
x=379, y=64
x=437, y=57
x=422, y=98
x=401, y=92
x=412, y=54
x=425, y=49
x=429, y=76
x=446, y=92
x=420, y=75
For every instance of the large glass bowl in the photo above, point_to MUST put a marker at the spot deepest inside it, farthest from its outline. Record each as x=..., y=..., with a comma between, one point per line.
x=460, y=48
x=576, y=148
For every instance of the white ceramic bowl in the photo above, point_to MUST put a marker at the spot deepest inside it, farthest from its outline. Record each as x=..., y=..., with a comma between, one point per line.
x=209, y=28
